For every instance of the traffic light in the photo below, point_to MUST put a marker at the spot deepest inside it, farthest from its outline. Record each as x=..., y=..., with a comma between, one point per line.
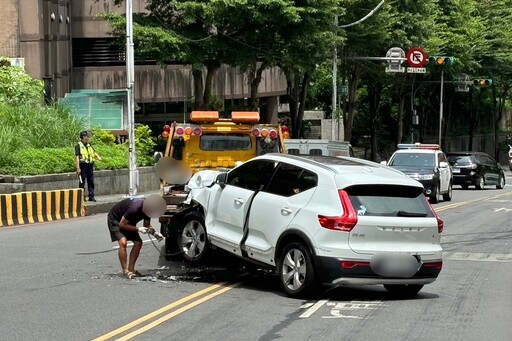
x=482, y=82
x=441, y=60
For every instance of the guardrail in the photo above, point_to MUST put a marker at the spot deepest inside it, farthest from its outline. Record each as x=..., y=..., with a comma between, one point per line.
x=40, y=206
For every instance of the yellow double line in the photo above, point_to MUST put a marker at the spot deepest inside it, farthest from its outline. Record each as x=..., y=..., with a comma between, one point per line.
x=168, y=313
x=462, y=203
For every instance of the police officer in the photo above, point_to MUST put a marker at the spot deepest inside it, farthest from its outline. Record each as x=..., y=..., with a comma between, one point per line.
x=85, y=156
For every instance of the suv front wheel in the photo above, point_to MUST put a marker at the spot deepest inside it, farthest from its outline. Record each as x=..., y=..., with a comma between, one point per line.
x=296, y=271
x=191, y=237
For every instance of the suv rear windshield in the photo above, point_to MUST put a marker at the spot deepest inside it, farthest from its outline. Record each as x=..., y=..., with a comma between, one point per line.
x=389, y=201
x=413, y=159
x=457, y=160
x=225, y=142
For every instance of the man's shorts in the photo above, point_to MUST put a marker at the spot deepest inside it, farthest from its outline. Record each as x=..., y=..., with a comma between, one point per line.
x=116, y=233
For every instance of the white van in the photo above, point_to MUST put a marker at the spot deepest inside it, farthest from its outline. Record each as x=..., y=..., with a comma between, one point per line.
x=318, y=147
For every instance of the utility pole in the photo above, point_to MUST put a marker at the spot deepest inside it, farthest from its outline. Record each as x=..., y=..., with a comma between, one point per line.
x=130, y=75
x=334, y=119
x=441, y=107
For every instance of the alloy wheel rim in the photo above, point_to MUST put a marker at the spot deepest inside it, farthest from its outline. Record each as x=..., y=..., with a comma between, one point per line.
x=193, y=239
x=294, y=269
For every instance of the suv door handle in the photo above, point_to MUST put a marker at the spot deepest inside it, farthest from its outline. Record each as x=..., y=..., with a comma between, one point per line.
x=239, y=201
x=286, y=211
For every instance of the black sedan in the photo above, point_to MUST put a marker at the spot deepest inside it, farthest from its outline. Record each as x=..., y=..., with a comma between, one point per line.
x=475, y=169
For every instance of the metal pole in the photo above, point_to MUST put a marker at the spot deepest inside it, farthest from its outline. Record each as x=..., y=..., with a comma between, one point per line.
x=334, y=85
x=441, y=107
x=130, y=75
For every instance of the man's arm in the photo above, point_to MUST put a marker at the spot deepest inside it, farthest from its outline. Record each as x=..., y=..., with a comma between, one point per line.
x=77, y=159
x=125, y=225
x=147, y=224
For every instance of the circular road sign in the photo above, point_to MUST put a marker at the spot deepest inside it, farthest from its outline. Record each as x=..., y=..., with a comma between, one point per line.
x=416, y=57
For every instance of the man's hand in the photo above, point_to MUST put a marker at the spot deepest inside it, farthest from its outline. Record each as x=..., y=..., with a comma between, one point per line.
x=151, y=230
x=78, y=171
x=142, y=230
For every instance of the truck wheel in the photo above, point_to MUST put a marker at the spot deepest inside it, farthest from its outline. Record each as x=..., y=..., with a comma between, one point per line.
x=191, y=238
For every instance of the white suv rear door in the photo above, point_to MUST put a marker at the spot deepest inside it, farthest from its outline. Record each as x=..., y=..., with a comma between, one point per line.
x=228, y=207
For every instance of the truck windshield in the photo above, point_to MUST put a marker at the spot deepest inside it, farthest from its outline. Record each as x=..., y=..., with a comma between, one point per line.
x=225, y=142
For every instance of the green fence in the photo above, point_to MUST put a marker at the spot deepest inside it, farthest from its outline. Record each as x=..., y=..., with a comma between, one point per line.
x=100, y=108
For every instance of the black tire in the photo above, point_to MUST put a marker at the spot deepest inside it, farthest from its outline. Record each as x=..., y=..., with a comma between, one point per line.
x=501, y=182
x=191, y=238
x=448, y=196
x=480, y=182
x=434, y=197
x=171, y=248
x=296, y=271
x=403, y=290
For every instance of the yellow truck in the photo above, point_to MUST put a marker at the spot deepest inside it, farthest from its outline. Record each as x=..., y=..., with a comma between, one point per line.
x=210, y=142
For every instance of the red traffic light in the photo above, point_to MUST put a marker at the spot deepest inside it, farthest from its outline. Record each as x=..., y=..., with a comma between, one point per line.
x=167, y=128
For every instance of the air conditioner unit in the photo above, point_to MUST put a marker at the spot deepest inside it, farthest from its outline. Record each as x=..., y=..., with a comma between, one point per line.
x=20, y=62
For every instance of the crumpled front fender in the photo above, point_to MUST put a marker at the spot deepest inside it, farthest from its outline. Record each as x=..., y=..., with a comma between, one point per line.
x=200, y=185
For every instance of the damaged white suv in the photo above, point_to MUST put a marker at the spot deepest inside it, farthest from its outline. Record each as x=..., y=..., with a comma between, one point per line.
x=315, y=220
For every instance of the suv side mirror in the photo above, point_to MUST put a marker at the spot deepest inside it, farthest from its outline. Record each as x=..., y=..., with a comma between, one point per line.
x=384, y=163
x=221, y=179
x=443, y=164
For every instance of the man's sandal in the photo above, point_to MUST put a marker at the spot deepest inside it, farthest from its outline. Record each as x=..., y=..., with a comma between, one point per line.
x=138, y=274
x=129, y=275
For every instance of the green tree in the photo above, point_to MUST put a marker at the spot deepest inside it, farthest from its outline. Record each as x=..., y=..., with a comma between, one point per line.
x=17, y=87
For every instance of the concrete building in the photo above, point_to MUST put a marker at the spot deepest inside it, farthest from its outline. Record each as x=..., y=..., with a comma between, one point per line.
x=67, y=45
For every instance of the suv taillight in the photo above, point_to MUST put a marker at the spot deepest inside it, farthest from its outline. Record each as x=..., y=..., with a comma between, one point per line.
x=346, y=221
x=440, y=223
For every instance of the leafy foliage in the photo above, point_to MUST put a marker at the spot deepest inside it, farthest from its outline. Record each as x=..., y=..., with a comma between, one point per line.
x=17, y=87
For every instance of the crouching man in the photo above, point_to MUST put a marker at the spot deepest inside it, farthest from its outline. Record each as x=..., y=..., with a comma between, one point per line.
x=122, y=222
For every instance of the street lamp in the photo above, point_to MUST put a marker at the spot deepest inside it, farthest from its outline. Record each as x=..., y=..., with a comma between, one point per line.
x=130, y=76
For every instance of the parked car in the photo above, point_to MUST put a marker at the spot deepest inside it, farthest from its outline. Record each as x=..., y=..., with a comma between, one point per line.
x=315, y=220
x=476, y=169
x=427, y=164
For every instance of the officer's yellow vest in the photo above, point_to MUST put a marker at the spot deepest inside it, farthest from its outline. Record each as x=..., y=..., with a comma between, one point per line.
x=87, y=153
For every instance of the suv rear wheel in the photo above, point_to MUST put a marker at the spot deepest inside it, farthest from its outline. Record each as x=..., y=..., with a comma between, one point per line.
x=191, y=237
x=501, y=182
x=296, y=271
x=480, y=182
x=403, y=290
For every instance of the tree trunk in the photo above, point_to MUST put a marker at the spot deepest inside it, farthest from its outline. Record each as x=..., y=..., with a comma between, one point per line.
x=400, y=119
x=350, y=104
x=255, y=74
x=208, y=98
x=374, y=96
x=302, y=99
x=197, y=74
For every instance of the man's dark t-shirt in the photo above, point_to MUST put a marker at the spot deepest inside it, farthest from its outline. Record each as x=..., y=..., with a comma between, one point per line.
x=131, y=209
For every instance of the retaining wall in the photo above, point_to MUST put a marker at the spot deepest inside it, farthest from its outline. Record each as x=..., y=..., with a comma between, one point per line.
x=107, y=182
x=40, y=206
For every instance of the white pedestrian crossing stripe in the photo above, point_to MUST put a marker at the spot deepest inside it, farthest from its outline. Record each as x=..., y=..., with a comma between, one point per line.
x=478, y=256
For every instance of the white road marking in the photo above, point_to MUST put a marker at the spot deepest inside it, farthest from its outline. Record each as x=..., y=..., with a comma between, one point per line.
x=502, y=209
x=313, y=309
x=478, y=256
